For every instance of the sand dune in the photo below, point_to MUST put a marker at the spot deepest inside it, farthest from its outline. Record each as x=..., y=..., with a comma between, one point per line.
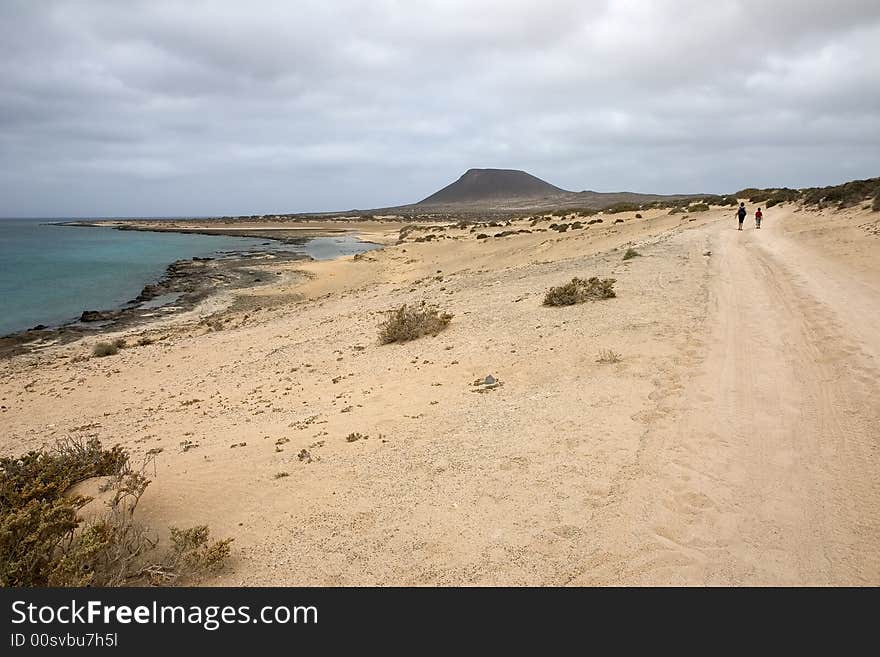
x=736, y=442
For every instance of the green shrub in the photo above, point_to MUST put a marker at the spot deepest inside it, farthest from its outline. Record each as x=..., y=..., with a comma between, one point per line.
x=410, y=322
x=579, y=290
x=43, y=541
x=102, y=349
x=698, y=207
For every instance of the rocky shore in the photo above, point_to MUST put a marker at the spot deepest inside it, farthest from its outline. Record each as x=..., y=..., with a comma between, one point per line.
x=184, y=285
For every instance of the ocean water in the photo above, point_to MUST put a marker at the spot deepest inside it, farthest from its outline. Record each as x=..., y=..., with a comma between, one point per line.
x=50, y=274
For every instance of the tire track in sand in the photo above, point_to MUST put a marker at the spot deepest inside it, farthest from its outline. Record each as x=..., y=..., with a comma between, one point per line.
x=766, y=473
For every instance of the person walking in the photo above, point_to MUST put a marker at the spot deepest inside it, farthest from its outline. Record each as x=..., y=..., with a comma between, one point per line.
x=741, y=215
x=758, y=216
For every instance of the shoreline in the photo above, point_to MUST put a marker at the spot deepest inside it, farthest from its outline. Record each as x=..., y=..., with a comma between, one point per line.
x=189, y=281
x=278, y=231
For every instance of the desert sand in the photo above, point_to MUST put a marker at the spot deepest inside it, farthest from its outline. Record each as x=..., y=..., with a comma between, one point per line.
x=737, y=440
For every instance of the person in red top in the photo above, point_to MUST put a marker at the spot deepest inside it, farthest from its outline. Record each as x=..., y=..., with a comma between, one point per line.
x=758, y=216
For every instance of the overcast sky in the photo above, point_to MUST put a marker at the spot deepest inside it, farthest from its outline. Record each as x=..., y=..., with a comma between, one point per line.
x=227, y=107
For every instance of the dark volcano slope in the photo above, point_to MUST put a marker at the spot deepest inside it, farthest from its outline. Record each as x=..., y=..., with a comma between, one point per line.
x=478, y=185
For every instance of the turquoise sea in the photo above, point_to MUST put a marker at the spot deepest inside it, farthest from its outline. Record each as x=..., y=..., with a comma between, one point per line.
x=49, y=274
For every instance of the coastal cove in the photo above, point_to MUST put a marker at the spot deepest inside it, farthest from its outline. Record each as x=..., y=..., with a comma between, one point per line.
x=51, y=273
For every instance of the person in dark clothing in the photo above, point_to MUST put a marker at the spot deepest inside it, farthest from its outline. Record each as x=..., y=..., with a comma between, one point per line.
x=741, y=215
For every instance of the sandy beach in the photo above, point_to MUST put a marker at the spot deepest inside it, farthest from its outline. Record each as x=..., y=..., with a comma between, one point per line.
x=736, y=441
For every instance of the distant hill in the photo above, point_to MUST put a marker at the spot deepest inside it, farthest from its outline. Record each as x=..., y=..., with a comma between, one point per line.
x=488, y=185
x=514, y=190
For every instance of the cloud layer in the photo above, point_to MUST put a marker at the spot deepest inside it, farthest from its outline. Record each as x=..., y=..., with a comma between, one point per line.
x=164, y=108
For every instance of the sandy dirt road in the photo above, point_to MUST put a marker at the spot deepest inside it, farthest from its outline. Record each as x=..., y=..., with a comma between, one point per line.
x=766, y=473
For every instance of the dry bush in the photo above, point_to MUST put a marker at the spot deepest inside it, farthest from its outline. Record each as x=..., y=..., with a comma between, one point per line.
x=410, y=322
x=579, y=290
x=631, y=253
x=845, y=195
x=44, y=542
x=191, y=554
x=622, y=207
x=607, y=357
x=35, y=517
x=102, y=349
x=698, y=207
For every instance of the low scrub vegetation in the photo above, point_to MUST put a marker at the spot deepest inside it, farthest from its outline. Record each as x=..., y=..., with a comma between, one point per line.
x=608, y=357
x=579, y=290
x=845, y=195
x=410, y=322
x=698, y=207
x=784, y=195
x=622, y=207
x=44, y=541
x=102, y=349
x=842, y=196
x=630, y=254
x=755, y=195
x=583, y=212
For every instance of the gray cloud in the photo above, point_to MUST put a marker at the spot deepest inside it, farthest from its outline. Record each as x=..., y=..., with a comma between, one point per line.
x=154, y=107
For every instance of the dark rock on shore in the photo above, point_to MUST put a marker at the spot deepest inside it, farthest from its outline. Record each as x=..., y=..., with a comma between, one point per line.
x=38, y=327
x=192, y=280
x=150, y=291
x=98, y=315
